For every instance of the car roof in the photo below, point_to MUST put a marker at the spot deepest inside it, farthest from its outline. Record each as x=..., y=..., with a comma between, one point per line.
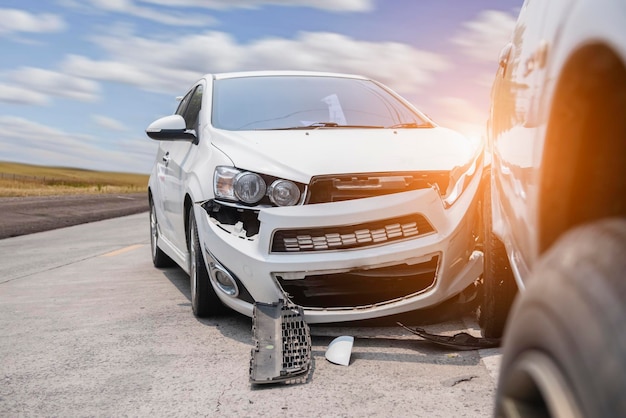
x=242, y=74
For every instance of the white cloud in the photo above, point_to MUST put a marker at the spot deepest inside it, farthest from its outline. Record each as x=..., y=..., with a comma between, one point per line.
x=24, y=140
x=170, y=66
x=108, y=123
x=37, y=82
x=175, y=18
x=484, y=37
x=182, y=17
x=14, y=21
x=330, y=5
x=164, y=80
x=32, y=135
x=401, y=66
x=20, y=95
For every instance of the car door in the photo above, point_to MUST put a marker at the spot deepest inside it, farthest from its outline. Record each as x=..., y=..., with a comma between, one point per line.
x=175, y=160
x=517, y=124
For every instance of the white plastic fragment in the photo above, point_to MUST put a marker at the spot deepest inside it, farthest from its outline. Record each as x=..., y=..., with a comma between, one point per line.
x=339, y=350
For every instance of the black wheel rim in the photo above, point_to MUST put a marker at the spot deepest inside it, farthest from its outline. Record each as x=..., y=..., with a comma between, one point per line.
x=536, y=384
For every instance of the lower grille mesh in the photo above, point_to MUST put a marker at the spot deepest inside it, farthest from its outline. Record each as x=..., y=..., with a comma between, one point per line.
x=355, y=236
x=282, y=343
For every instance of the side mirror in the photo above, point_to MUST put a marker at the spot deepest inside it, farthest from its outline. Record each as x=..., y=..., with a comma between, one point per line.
x=170, y=128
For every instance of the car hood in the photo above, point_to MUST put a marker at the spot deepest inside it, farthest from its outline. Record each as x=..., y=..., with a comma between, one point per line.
x=301, y=154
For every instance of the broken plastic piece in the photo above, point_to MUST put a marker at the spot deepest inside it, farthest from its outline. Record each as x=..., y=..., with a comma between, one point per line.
x=339, y=350
x=282, y=348
x=460, y=341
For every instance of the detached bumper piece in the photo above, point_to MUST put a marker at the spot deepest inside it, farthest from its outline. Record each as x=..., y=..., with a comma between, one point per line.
x=282, y=344
x=460, y=341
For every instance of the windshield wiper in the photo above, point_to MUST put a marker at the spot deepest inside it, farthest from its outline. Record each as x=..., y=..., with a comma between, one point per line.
x=323, y=125
x=317, y=125
x=410, y=125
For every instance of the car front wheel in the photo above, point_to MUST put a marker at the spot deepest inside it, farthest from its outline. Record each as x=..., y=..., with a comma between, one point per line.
x=565, y=346
x=204, y=301
x=499, y=287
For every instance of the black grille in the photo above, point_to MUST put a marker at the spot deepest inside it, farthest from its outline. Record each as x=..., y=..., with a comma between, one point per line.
x=296, y=343
x=361, y=287
x=282, y=343
x=324, y=189
x=352, y=236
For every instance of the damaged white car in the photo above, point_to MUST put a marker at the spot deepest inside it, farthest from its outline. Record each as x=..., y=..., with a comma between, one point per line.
x=328, y=191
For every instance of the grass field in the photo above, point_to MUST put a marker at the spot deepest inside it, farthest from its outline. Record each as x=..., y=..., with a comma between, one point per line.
x=31, y=180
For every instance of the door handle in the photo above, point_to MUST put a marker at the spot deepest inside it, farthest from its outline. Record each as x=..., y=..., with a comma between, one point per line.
x=166, y=158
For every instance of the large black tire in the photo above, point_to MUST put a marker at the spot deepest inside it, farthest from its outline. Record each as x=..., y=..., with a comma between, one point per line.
x=499, y=287
x=565, y=346
x=159, y=258
x=204, y=301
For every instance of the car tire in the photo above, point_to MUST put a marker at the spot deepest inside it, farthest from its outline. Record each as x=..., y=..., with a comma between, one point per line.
x=565, y=346
x=204, y=300
x=498, y=284
x=159, y=258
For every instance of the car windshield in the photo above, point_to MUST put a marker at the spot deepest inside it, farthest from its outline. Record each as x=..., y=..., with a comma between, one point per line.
x=307, y=102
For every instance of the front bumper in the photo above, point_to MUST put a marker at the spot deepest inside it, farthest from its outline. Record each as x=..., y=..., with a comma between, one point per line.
x=395, y=270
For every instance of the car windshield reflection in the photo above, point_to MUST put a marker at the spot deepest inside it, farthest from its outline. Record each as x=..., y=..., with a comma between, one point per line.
x=307, y=102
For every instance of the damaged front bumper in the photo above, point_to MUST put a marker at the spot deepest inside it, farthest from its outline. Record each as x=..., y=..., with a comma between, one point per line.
x=282, y=344
x=343, y=261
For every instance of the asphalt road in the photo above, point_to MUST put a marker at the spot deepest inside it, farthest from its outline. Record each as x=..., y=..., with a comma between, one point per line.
x=26, y=215
x=88, y=327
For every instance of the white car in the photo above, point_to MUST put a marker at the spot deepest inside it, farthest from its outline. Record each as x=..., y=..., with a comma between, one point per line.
x=329, y=191
x=557, y=221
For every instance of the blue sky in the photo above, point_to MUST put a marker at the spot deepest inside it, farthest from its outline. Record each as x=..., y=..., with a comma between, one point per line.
x=81, y=79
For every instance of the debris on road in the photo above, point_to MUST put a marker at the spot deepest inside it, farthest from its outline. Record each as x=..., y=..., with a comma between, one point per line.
x=282, y=344
x=339, y=350
x=460, y=341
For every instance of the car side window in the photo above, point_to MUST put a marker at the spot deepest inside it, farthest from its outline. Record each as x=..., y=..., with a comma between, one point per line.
x=193, y=110
x=189, y=107
x=182, y=106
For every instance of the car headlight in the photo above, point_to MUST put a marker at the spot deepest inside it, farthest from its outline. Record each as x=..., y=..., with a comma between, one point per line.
x=460, y=177
x=284, y=193
x=230, y=183
x=224, y=181
x=247, y=187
